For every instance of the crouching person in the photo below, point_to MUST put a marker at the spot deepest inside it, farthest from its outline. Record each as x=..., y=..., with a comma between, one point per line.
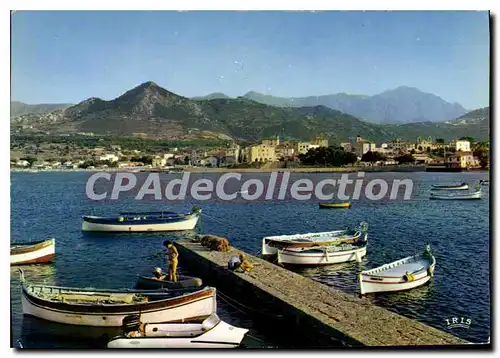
x=239, y=263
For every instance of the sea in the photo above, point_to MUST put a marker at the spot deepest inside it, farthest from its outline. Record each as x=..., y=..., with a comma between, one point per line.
x=51, y=204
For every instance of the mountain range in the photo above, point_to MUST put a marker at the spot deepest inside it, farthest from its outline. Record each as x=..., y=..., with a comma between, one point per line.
x=399, y=105
x=153, y=111
x=19, y=108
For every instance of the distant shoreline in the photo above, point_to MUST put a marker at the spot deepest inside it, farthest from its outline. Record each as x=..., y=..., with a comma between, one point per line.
x=404, y=169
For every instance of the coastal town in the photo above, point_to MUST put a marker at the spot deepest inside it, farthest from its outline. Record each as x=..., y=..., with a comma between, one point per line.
x=461, y=153
x=294, y=180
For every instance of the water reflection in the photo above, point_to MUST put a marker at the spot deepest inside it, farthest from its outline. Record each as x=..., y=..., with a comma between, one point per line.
x=172, y=235
x=42, y=274
x=418, y=295
x=39, y=333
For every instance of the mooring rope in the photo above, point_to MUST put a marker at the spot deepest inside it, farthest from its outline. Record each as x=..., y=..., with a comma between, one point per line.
x=219, y=221
x=226, y=299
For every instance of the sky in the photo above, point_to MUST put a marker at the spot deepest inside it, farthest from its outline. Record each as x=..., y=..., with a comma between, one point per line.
x=67, y=57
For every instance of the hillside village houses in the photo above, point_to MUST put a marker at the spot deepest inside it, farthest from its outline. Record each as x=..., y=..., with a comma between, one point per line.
x=272, y=150
x=457, y=153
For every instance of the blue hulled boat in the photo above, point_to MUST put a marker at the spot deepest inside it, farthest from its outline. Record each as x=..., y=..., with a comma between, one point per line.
x=143, y=221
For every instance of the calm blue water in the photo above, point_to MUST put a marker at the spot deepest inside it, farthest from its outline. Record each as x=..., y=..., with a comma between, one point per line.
x=51, y=205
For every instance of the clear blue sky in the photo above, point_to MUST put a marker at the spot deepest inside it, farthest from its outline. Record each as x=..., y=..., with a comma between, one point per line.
x=60, y=57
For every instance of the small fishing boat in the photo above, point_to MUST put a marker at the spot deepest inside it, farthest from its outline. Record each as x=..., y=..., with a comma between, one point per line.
x=461, y=186
x=108, y=308
x=484, y=182
x=335, y=205
x=35, y=252
x=323, y=255
x=143, y=221
x=209, y=333
x=457, y=196
x=404, y=274
x=153, y=283
x=271, y=244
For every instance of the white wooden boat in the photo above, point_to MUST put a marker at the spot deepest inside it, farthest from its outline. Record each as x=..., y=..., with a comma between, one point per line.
x=143, y=222
x=36, y=252
x=272, y=244
x=484, y=182
x=210, y=333
x=457, y=196
x=108, y=308
x=404, y=274
x=323, y=255
x=461, y=186
x=153, y=283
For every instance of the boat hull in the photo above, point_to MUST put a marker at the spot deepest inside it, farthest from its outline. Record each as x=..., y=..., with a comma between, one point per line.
x=473, y=196
x=189, y=307
x=43, y=252
x=188, y=224
x=272, y=244
x=221, y=336
x=335, y=205
x=295, y=257
x=153, y=283
x=458, y=187
x=390, y=285
x=401, y=275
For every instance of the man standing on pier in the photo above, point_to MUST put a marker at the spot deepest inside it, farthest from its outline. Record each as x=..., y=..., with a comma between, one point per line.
x=173, y=260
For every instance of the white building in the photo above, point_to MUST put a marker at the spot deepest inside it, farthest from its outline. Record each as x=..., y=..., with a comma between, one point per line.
x=462, y=146
x=303, y=147
x=158, y=162
x=22, y=163
x=212, y=161
x=110, y=157
x=364, y=147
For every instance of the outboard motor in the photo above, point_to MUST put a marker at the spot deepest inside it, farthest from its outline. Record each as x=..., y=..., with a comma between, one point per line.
x=131, y=323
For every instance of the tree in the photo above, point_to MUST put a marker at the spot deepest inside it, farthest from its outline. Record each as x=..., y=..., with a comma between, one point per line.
x=186, y=160
x=483, y=154
x=440, y=140
x=30, y=160
x=372, y=157
x=146, y=159
x=178, y=161
x=327, y=156
x=405, y=158
x=470, y=139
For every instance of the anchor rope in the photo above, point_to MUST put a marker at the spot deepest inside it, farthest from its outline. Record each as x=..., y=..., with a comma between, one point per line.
x=226, y=299
x=232, y=227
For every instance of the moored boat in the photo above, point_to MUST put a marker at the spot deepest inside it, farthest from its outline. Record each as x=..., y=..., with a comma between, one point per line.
x=484, y=182
x=271, y=244
x=108, y=308
x=143, y=222
x=144, y=282
x=324, y=255
x=461, y=186
x=404, y=274
x=209, y=333
x=457, y=196
x=36, y=252
x=335, y=205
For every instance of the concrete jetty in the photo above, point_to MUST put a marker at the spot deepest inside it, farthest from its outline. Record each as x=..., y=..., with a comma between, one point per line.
x=324, y=316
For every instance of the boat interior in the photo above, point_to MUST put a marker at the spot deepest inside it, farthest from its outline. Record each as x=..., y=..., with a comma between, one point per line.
x=192, y=329
x=22, y=244
x=56, y=295
x=399, y=268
